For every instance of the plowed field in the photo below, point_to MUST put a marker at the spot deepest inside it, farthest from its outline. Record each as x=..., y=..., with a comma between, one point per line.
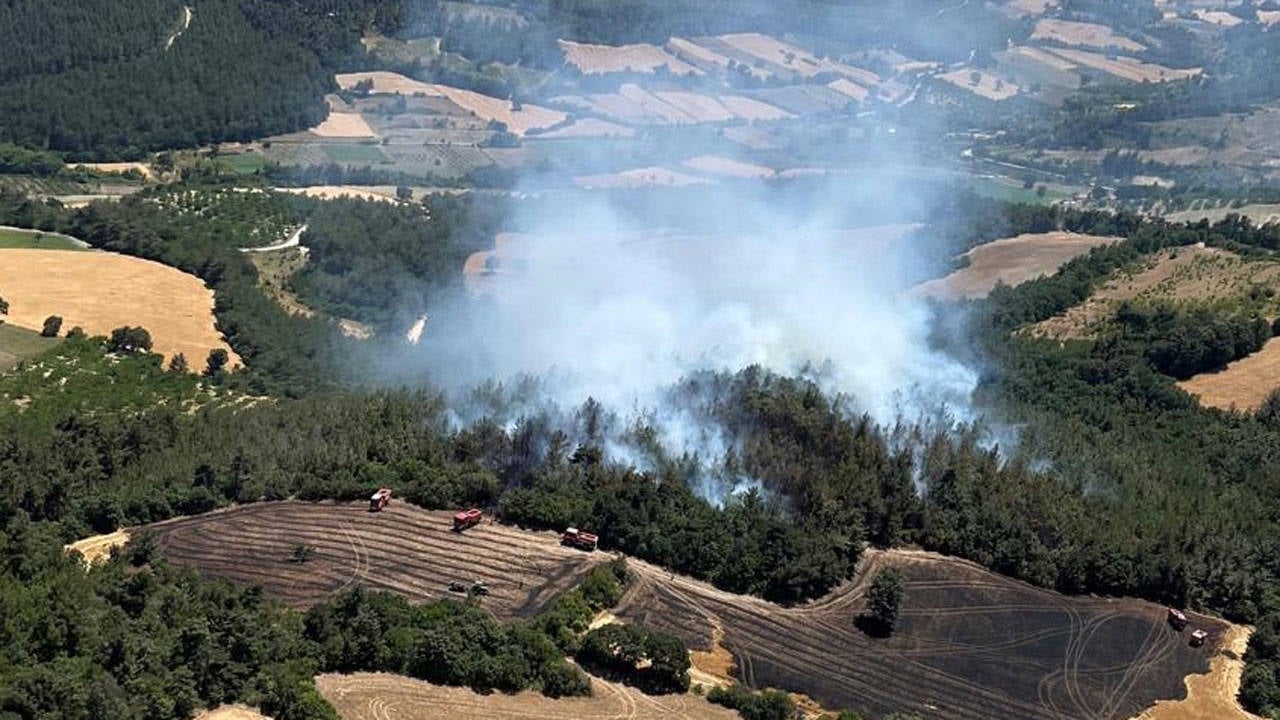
x=403, y=549
x=969, y=645
x=376, y=696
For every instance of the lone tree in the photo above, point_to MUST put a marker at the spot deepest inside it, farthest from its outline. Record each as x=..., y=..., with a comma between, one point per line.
x=52, y=325
x=179, y=364
x=217, y=363
x=302, y=554
x=130, y=339
x=4, y=307
x=883, y=600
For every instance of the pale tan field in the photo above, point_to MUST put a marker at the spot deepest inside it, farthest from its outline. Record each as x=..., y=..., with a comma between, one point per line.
x=988, y=86
x=1260, y=214
x=653, y=105
x=589, y=127
x=794, y=58
x=695, y=52
x=1243, y=385
x=1045, y=58
x=701, y=108
x=752, y=109
x=1269, y=17
x=230, y=712
x=1083, y=34
x=1032, y=7
x=599, y=59
x=97, y=549
x=518, y=122
x=102, y=291
x=639, y=177
x=717, y=165
x=386, y=83
x=344, y=125
x=1011, y=261
x=1126, y=68
x=383, y=193
x=116, y=167
x=378, y=696
x=850, y=88
x=1218, y=17
x=1212, y=696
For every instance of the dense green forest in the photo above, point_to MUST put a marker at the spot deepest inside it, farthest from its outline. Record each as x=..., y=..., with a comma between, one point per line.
x=113, y=80
x=1119, y=484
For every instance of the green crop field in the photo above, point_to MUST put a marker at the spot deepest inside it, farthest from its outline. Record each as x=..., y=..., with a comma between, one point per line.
x=356, y=154
x=34, y=239
x=17, y=344
x=244, y=163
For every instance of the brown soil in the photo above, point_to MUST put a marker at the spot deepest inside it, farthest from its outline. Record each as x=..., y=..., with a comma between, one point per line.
x=101, y=291
x=403, y=549
x=376, y=696
x=1212, y=695
x=1243, y=385
x=970, y=644
x=1194, y=273
x=1012, y=261
x=97, y=549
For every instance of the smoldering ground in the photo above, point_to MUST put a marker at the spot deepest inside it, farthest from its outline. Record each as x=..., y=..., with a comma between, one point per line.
x=595, y=299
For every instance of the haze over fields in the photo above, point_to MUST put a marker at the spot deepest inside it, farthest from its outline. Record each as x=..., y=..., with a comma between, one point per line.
x=763, y=359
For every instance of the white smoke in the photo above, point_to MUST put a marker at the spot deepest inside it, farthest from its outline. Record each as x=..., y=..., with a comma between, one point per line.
x=598, y=308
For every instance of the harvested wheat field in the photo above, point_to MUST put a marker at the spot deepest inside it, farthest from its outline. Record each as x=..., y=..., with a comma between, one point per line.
x=718, y=165
x=1083, y=34
x=102, y=291
x=230, y=712
x=1193, y=273
x=639, y=177
x=384, y=193
x=344, y=125
x=518, y=122
x=97, y=549
x=1212, y=695
x=1011, y=261
x=970, y=644
x=378, y=696
x=1243, y=384
x=641, y=58
x=988, y=86
x=1126, y=68
x=403, y=549
x=385, y=83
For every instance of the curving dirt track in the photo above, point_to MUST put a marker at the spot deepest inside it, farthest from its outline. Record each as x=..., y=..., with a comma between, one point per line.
x=378, y=696
x=403, y=549
x=969, y=645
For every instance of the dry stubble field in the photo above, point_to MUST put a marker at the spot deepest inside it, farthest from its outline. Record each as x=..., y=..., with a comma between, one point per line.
x=970, y=644
x=101, y=291
x=403, y=549
x=1012, y=261
x=376, y=696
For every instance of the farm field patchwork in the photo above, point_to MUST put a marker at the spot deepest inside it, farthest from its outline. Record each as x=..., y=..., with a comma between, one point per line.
x=403, y=549
x=379, y=696
x=643, y=58
x=101, y=291
x=970, y=645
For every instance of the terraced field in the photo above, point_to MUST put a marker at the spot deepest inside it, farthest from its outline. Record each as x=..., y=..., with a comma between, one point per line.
x=403, y=549
x=970, y=644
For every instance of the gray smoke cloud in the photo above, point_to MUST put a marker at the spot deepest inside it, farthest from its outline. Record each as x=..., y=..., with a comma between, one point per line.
x=594, y=305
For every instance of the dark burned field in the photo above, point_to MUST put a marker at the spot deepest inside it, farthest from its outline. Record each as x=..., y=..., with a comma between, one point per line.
x=403, y=549
x=969, y=644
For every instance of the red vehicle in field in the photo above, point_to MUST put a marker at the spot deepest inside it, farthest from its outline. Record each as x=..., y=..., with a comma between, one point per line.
x=464, y=519
x=379, y=499
x=574, y=537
